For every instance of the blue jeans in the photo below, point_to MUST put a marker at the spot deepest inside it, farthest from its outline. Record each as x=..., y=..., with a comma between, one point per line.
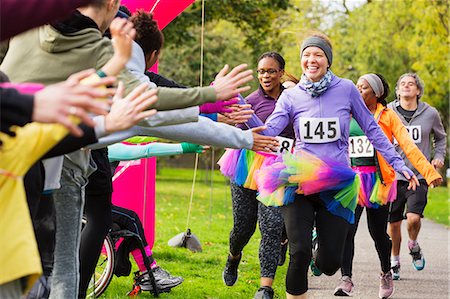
x=69, y=202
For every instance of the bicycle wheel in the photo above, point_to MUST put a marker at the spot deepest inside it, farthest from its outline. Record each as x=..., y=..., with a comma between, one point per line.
x=104, y=270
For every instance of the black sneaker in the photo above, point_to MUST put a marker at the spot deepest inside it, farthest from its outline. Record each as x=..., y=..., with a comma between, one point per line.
x=264, y=293
x=164, y=281
x=282, y=257
x=230, y=273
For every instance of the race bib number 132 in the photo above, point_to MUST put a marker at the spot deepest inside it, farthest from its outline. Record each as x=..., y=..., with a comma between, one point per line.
x=319, y=130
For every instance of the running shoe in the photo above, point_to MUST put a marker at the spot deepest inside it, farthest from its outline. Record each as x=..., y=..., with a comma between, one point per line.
x=230, y=273
x=164, y=281
x=396, y=271
x=418, y=259
x=282, y=257
x=264, y=293
x=386, y=285
x=345, y=287
x=315, y=246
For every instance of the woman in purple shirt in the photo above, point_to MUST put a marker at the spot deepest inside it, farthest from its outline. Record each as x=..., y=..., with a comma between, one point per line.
x=247, y=210
x=320, y=108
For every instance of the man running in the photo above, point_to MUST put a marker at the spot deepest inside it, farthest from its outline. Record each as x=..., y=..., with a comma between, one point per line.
x=425, y=128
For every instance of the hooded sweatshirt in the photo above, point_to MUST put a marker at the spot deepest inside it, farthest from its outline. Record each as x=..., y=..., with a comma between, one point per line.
x=321, y=124
x=426, y=129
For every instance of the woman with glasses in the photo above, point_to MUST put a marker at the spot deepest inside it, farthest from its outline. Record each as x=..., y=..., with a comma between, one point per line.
x=316, y=185
x=247, y=210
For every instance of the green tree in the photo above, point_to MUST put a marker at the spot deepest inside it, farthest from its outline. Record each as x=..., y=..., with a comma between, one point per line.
x=395, y=37
x=236, y=31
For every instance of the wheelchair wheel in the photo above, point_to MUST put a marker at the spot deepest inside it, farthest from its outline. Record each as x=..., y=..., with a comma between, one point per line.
x=104, y=270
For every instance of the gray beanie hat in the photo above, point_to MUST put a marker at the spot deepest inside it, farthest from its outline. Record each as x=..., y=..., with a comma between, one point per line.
x=315, y=41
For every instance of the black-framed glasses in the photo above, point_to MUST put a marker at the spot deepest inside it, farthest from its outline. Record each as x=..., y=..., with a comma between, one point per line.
x=269, y=71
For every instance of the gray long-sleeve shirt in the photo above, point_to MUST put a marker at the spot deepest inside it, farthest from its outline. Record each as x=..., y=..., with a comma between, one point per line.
x=205, y=131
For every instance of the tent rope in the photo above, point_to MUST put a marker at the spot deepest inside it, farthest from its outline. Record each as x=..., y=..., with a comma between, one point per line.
x=201, y=84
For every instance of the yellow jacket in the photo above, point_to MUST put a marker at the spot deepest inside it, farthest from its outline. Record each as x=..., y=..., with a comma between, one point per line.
x=19, y=256
x=393, y=127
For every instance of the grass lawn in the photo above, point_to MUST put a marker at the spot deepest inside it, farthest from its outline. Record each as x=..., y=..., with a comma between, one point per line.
x=211, y=221
x=438, y=207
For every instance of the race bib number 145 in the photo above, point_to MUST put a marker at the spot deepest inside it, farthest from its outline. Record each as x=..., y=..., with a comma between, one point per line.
x=319, y=130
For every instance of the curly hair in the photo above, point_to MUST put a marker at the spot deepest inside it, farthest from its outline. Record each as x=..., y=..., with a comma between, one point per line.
x=148, y=35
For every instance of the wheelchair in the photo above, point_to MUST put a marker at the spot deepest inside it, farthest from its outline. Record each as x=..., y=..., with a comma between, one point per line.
x=104, y=270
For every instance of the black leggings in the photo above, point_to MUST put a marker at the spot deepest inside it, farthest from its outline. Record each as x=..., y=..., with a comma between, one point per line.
x=98, y=215
x=377, y=223
x=129, y=220
x=299, y=218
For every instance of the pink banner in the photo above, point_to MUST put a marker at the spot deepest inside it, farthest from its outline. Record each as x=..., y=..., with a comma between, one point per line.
x=134, y=189
x=164, y=11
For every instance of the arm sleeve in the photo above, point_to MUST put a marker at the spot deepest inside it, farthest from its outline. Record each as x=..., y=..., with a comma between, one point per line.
x=140, y=139
x=373, y=132
x=412, y=152
x=162, y=81
x=123, y=152
x=280, y=117
x=71, y=143
x=205, y=131
x=171, y=98
x=15, y=108
x=440, y=137
x=17, y=17
x=172, y=117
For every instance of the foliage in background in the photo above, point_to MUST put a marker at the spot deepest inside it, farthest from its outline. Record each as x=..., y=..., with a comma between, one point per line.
x=390, y=37
x=395, y=37
x=236, y=31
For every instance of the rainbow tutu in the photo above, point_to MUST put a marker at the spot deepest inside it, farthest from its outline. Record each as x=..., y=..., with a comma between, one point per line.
x=373, y=193
x=303, y=173
x=240, y=165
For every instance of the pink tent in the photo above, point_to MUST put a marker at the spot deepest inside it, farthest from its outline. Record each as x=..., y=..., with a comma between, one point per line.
x=134, y=183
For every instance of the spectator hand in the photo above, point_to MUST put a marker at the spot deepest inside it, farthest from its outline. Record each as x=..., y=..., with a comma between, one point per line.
x=227, y=85
x=191, y=148
x=217, y=107
x=128, y=111
x=55, y=103
x=263, y=143
x=240, y=114
x=122, y=34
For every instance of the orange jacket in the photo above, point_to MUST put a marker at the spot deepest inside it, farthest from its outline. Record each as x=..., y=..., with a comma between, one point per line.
x=393, y=127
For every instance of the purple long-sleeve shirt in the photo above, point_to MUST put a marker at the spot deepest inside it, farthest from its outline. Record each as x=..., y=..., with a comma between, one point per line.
x=263, y=105
x=318, y=118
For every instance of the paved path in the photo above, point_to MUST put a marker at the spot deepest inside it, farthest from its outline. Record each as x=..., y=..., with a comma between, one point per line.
x=431, y=283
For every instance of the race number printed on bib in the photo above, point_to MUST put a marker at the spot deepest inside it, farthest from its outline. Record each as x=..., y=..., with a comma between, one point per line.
x=285, y=145
x=359, y=147
x=415, y=132
x=319, y=130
